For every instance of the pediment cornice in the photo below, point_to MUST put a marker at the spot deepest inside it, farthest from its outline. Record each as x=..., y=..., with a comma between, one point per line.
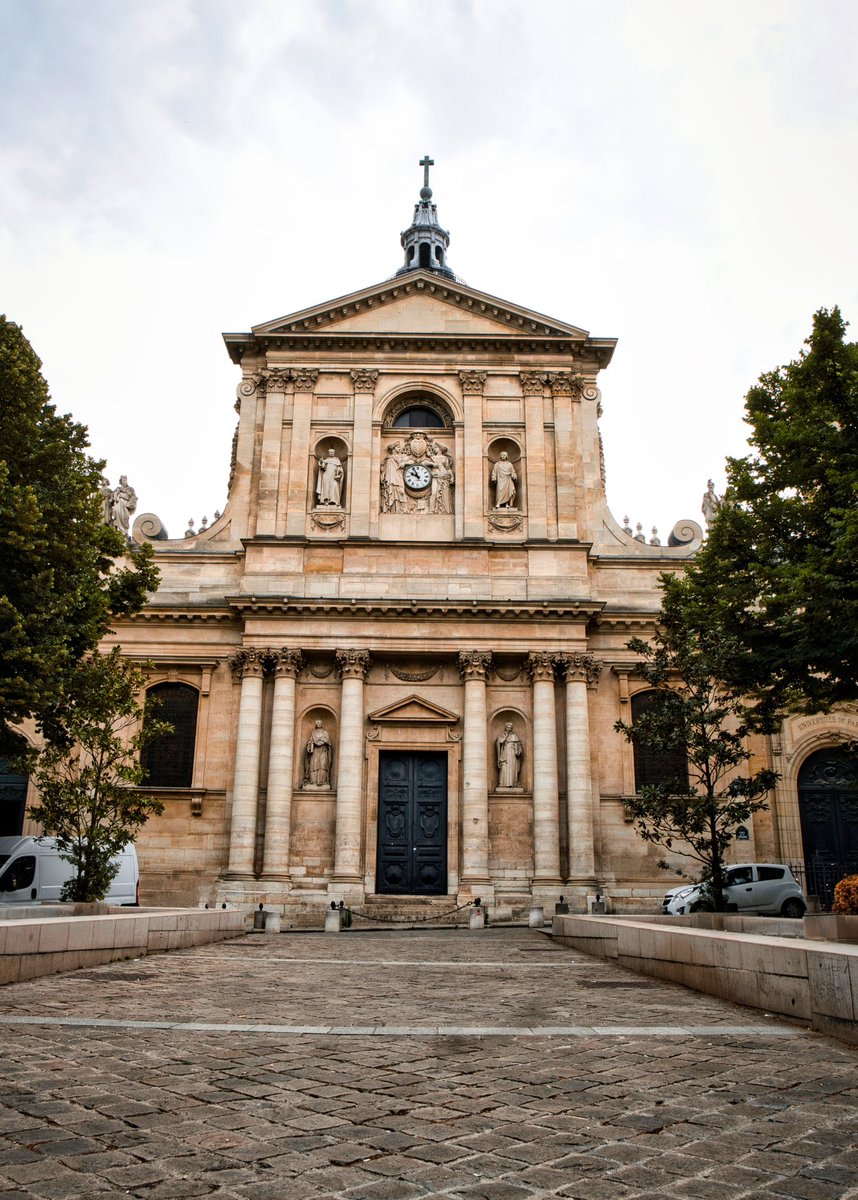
x=498, y=319
x=413, y=710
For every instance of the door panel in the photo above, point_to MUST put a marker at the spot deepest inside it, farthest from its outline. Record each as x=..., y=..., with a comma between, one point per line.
x=412, y=823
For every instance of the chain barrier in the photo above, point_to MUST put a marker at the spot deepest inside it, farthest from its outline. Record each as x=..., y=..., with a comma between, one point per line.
x=365, y=916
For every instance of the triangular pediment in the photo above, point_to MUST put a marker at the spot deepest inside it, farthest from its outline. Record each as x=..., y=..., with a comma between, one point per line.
x=420, y=303
x=413, y=710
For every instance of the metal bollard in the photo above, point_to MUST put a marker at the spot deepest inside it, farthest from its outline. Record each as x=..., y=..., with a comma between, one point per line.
x=259, y=920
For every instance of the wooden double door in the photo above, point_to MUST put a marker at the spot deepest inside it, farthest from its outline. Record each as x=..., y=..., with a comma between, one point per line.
x=412, y=823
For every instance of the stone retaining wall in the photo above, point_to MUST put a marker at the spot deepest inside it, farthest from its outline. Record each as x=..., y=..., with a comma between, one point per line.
x=44, y=945
x=813, y=981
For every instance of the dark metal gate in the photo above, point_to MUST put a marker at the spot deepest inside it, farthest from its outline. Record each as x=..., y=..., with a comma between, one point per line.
x=828, y=803
x=412, y=823
x=13, y=800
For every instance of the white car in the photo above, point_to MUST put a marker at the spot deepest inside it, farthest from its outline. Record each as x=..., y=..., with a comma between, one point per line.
x=757, y=889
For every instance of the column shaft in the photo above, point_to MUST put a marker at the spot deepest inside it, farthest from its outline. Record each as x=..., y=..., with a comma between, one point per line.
x=245, y=788
x=353, y=665
x=475, y=798
x=546, y=798
x=278, y=809
x=579, y=788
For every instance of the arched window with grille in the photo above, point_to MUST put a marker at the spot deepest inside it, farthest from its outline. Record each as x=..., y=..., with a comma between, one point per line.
x=169, y=758
x=656, y=766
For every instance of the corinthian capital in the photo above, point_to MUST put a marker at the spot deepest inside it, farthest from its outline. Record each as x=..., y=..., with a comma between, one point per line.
x=532, y=382
x=474, y=664
x=284, y=661
x=305, y=378
x=540, y=663
x=580, y=668
x=364, y=380
x=472, y=382
x=248, y=662
x=352, y=664
x=561, y=383
x=275, y=379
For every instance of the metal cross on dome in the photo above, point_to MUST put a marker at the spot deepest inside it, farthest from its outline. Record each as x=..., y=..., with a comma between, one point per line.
x=426, y=162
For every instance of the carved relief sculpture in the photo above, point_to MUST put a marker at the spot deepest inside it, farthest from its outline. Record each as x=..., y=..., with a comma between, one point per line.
x=509, y=753
x=504, y=478
x=318, y=758
x=329, y=482
x=417, y=476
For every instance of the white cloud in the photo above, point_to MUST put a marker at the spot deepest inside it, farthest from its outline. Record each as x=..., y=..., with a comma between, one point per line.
x=679, y=176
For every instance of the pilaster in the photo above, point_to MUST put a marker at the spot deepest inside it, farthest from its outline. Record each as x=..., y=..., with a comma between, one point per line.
x=474, y=665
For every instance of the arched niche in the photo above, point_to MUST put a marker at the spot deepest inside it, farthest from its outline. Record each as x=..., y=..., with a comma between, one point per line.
x=496, y=449
x=325, y=480
x=503, y=758
x=315, y=752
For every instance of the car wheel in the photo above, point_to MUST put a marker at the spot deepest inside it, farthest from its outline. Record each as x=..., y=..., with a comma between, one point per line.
x=792, y=908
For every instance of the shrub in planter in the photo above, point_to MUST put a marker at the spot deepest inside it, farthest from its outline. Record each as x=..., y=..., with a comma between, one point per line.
x=846, y=896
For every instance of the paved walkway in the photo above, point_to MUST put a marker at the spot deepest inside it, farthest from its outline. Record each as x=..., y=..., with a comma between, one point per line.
x=386, y=1066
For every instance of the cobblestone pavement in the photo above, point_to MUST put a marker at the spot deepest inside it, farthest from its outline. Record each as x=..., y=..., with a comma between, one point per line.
x=489, y=1065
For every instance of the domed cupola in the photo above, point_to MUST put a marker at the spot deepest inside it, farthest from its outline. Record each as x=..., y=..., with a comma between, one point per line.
x=425, y=242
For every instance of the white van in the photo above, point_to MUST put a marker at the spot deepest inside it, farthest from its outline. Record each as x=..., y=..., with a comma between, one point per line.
x=32, y=872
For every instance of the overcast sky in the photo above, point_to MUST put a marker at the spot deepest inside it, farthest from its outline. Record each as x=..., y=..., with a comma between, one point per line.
x=681, y=176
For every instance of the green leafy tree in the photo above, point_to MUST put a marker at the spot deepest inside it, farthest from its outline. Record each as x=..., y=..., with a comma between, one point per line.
x=696, y=815
x=87, y=784
x=63, y=572
x=778, y=570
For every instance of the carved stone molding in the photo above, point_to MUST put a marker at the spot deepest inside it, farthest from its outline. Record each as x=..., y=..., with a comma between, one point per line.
x=284, y=661
x=532, y=382
x=412, y=676
x=317, y=672
x=586, y=388
x=561, y=383
x=540, y=663
x=305, y=378
x=248, y=662
x=580, y=668
x=352, y=664
x=364, y=380
x=474, y=664
x=328, y=520
x=426, y=400
x=472, y=382
x=246, y=388
x=506, y=522
x=508, y=676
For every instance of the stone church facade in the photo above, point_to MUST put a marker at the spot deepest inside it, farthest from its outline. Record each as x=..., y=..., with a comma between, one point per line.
x=395, y=661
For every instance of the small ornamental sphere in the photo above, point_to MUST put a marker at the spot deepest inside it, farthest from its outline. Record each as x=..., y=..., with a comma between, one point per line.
x=425, y=193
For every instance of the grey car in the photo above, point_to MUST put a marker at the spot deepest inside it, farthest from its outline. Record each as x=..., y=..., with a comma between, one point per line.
x=757, y=889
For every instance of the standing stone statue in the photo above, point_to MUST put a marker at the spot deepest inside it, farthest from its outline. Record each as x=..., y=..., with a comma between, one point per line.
x=393, y=498
x=504, y=478
x=330, y=480
x=441, y=498
x=106, y=492
x=711, y=504
x=509, y=752
x=319, y=754
x=124, y=505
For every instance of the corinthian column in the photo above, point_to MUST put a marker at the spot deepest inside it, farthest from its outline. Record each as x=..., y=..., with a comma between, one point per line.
x=473, y=665
x=352, y=666
x=248, y=665
x=546, y=798
x=582, y=672
x=278, y=810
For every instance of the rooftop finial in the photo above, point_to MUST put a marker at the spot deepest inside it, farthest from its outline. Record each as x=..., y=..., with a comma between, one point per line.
x=426, y=162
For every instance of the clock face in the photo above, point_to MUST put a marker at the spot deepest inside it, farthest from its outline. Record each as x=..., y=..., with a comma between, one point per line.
x=417, y=476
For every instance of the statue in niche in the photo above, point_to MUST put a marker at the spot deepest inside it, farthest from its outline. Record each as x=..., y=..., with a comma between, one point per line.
x=393, y=498
x=124, y=505
x=318, y=756
x=504, y=478
x=509, y=752
x=711, y=504
x=329, y=483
